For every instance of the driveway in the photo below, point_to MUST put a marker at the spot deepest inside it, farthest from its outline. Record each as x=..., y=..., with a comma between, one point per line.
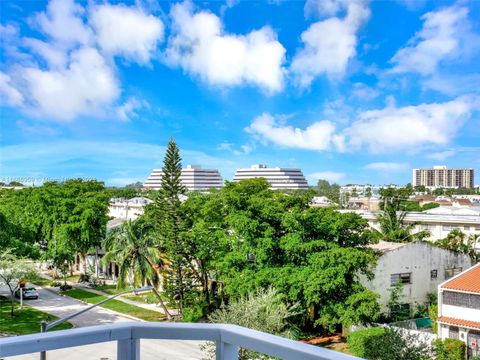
x=58, y=305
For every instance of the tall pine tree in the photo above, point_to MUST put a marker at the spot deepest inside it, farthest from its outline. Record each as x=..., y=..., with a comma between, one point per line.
x=169, y=225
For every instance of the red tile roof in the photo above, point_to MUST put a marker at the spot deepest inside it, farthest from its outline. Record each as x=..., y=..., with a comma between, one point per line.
x=469, y=280
x=459, y=322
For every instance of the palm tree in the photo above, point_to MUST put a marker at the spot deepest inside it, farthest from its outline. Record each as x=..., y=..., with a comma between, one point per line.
x=458, y=241
x=132, y=247
x=394, y=229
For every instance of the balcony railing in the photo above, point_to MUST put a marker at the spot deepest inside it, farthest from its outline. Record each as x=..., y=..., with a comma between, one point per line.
x=228, y=339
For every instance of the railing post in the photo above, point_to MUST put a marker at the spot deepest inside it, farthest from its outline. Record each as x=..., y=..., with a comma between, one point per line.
x=226, y=351
x=43, y=328
x=128, y=349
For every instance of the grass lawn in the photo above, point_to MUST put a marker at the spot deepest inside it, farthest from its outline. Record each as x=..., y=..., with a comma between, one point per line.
x=25, y=321
x=115, y=305
x=110, y=289
x=40, y=281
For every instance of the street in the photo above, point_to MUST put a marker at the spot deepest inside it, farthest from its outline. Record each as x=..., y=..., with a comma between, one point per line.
x=60, y=306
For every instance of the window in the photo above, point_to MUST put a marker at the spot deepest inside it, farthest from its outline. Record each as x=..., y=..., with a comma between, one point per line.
x=452, y=272
x=471, y=301
x=427, y=227
x=453, y=332
x=433, y=274
x=400, y=311
x=403, y=278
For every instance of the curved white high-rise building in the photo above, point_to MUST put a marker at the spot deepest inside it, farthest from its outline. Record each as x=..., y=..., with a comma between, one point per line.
x=193, y=177
x=279, y=178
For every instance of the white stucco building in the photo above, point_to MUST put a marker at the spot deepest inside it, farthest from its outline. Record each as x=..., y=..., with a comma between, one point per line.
x=127, y=209
x=193, y=177
x=419, y=266
x=439, y=222
x=279, y=178
x=459, y=309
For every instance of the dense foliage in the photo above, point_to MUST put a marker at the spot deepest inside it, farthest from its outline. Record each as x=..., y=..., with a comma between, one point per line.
x=387, y=343
x=246, y=237
x=264, y=310
x=56, y=220
x=331, y=191
x=450, y=349
x=459, y=242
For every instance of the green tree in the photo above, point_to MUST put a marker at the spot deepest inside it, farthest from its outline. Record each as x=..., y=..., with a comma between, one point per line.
x=331, y=191
x=13, y=271
x=313, y=256
x=459, y=242
x=393, y=227
x=169, y=227
x=263, y=310
x=132, y=247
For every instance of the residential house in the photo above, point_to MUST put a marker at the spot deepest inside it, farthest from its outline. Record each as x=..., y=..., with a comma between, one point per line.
x=419, y=266
x=459, y=309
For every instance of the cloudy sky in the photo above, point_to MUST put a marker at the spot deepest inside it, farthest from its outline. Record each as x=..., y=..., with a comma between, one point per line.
x=347, y=90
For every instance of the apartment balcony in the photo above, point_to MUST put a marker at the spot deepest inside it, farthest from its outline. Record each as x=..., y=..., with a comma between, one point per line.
x=228, y=340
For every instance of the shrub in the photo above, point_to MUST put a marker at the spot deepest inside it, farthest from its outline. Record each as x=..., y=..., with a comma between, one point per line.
x=65, y=287
x=264, y=310
x=84, y=278
x=56, y=284
x=387, y=343
x=360, y=342
x=192, y=313
x=433, y=314
x=450, y=349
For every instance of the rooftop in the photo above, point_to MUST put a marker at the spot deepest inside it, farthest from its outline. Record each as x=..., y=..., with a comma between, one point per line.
x=469, y=280
x=459, y=322
x=384, y=246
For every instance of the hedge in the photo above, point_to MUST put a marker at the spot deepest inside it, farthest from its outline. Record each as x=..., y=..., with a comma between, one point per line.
x=450, y=349
x=362, y=342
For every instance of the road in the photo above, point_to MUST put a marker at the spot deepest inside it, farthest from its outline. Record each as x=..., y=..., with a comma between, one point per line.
x=57, y=305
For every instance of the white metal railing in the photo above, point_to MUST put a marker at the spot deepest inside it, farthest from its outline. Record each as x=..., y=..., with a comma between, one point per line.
x=228, y=339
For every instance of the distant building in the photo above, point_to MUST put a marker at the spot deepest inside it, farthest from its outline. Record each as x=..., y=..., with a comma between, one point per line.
x=459, y=309
x=419, y=266
x=193, y=177
x=442, y=177
x=321, y=201
x=127, y=209
x=279, y=178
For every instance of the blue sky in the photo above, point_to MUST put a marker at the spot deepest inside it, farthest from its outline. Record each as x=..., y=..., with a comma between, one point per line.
x=351, y=91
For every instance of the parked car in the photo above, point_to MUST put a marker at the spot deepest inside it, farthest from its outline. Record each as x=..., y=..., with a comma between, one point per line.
x=28, y=293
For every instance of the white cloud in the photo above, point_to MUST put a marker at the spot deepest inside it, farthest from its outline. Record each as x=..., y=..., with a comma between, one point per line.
x=364, y=92
x=201, y=47
x=408, y=128
x=323, y=52
x=63, y=23
x=411, y=127
x=318, y=136
x=331, y=176
x=72, y=72
x=128, y=109
x=85, y=86
x=126, y=31
x=445, y=35
x=441, y=155
x=8, y=94
x=387, y=166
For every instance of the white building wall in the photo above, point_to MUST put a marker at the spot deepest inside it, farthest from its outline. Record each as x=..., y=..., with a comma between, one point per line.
x=419, y=259
x=461, y=312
